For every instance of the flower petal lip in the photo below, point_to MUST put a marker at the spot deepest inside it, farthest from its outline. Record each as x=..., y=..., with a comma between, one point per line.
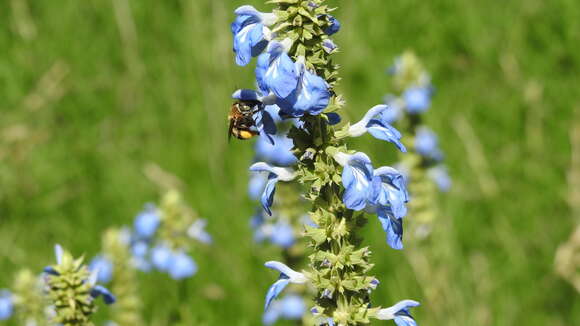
x=247, y=10
x=360, y=128
x=274, y=290
x=400, y=307
x=294, y=276
x=283, y=173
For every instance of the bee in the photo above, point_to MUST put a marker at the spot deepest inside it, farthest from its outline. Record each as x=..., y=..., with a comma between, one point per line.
x=242, y=123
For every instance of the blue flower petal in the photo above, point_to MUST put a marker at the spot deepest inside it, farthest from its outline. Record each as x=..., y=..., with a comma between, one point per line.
x=276, y=72
x=393, y=227
x=310, y=96
x=417, y=99
x=267, y=199
x=333, y=118
x=292, y=307
x=334, y=26
x=275, y=290
x=104, y=268
x=99, y=290
x=181, y=266
x=385, y=132
x=6, y=305
x=357, y=178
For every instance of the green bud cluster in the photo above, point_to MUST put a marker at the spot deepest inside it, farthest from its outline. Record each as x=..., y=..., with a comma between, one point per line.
x=69, y=292
x=127, y=310
x=338, y=266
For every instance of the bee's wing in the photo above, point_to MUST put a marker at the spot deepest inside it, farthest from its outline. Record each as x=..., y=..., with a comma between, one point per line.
x=230, y=130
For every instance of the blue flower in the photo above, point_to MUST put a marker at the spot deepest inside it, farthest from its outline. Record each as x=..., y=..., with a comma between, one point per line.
x=426, y=144
x=283, y=235
x=263, y=120
x=6, y=304
x=59, y=254
x=197, y=231
x=374, y=125
x=275, y=71
x=287, y=276
x=390, y=190
x=333, y=27
x=181, y=266
x=279, y=154
x=310, y=96
x=329, y=46
x=104, y=267
x=392, y=226
x=417, y=99
x=98, y=290
x=400, y=313
x=441, y=177
x=274, y=175
x=256, y=185
x=250, y=33
x=161, y=257
x=395, y=110
x=290, y=307
x=147, y=222
x=139, y=250
x=357, y=175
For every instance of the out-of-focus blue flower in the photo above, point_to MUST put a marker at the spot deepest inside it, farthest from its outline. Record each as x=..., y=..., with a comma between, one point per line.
x=197, y=231
x=417, y=99
x=250, y=33
x=59, y=253
x=6, y=304
x=147, y=222
x=98, y=290
x=104, y=267
x=275, y=71
x=287, y=275
x=374, y=125
x=181, y=266
x=275, y=174
x=334, y=25
x=283, y=235
x=140, y=249
x=311, y=94
x=279, y=154
x=441, y=177
x=395, y=110
x=264, y=122
x=290, y=307
x=400, y=313
x=257, y=223
x=426, y=144
x=357, y=175
x=256, y=185
x=161, y=257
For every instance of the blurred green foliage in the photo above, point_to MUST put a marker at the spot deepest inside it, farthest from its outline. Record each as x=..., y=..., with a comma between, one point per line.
x=91, y=91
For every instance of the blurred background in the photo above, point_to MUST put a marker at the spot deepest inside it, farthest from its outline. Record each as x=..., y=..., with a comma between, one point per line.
x=91, y=92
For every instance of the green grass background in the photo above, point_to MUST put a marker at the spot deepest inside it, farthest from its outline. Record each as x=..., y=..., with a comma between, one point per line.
x=92, y=90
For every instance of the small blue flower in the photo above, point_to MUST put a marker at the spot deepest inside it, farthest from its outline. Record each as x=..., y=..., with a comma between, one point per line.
x=374, y=125
x=250, y=33
x=275, y=174
x=417, y=99
x=392, y=226
x=292, y=307
x=283, y=235
x=6, y=304
x=310, y=96
x=147, y=222
x=279, y=154
x=400, y=313
x=357, y=175
x=104, y=267
x=395, y=111
x=256, y=185
x=426, y=144
x=275, y=71
x=161, y=257
x=181, y=266
x=197, y=231
x=98, y=290
x=441, y=177
x=334, y=25
x=390, y=190
x=287, y=276
x=140, y=250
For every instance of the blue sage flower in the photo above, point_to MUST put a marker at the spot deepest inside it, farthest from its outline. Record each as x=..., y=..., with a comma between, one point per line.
x=283, y=235
x=440, y=176
x=275, y=71
x=181, y=266
x=399, y=313
x=357, y=175
x=99, y=290
x=140, y=250
x=374, y=125
x=395, y=111
x=275, y=174
x=310, y=96
x=392, y=226
x=256, y=185
x=161, y=257
x=104, y=267
x=333, y=27
x=147, y=222
x=279, y=154
x=390, y=189
x=291, y=307
x=287, y=276
x=250, y=33
x=417, y=99
x=427, y=144
x=6, y=304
